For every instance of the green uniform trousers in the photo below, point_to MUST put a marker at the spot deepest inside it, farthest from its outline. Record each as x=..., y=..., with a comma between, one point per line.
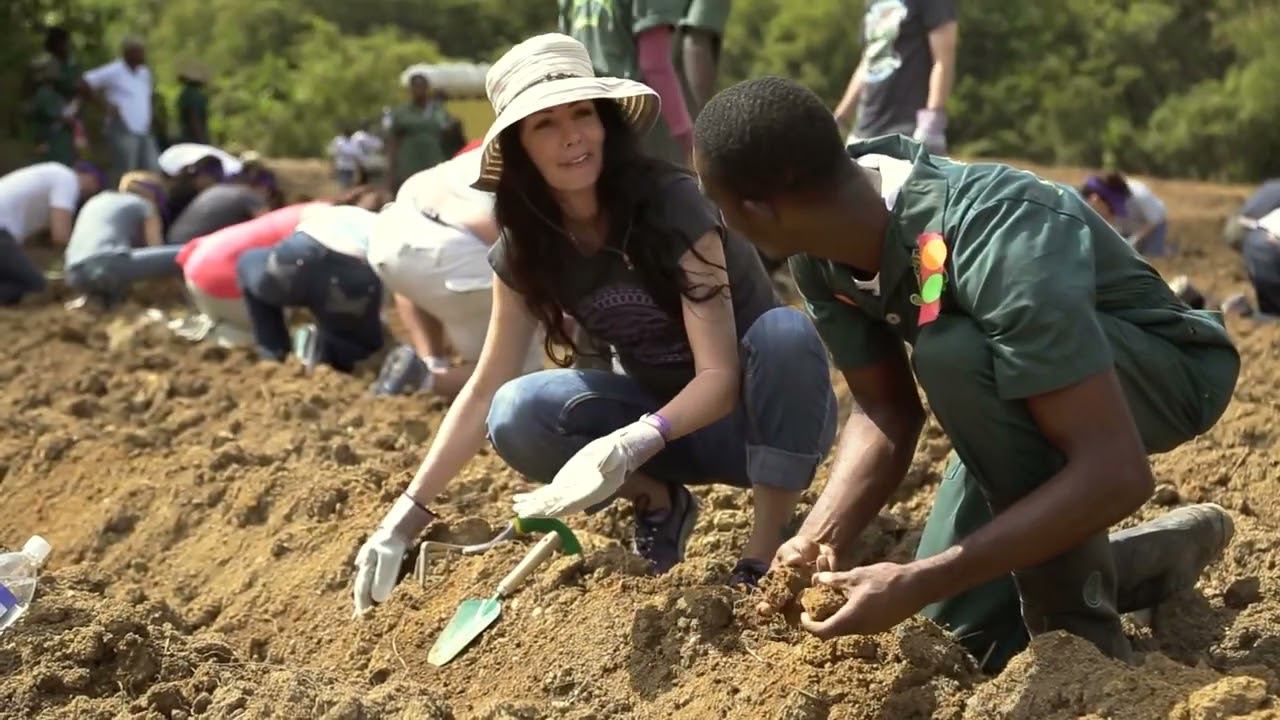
x=1174, y=391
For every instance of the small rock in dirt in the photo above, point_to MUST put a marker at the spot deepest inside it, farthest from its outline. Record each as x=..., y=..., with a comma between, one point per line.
x=344, y=455
x=213, y=353
x=415, y=431
x=165, y=698
x=821, y=601
x=1242, y=593
x=1228, y=698
x=802, y=706
x=201, y=703
x=780, y=586
x=83, y=407
x=346, y=709
x=1166, y=495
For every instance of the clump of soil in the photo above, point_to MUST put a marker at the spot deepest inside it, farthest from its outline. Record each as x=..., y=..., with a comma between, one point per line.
x=821, y=601
x=780, y=587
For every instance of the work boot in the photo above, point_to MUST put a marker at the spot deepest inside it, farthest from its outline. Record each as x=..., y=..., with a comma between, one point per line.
x=1076, y=592
x=1165, y=556
x=661, y=535
x=403, y=373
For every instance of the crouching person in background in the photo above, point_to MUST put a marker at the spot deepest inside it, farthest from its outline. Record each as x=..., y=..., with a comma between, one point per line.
x=431, y=248
x=321, y=267
x=101, y=261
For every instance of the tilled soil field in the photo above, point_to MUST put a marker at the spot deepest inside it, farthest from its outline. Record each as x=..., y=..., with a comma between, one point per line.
x=205, y=508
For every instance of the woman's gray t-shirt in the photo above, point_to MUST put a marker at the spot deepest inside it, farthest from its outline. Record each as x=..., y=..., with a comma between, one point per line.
x=109, y=222
x=612, y=304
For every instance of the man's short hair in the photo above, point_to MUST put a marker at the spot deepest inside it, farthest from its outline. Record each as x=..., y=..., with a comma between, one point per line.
x=769, y=136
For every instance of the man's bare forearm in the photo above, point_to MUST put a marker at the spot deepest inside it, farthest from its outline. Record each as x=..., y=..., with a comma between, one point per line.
x=871, y=460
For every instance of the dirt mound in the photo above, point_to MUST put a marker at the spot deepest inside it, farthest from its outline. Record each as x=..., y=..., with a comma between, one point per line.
x=205, y=508
x=83, y=653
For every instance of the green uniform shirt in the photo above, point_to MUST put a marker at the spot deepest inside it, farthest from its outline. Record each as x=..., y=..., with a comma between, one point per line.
x=608, y=29
x=1026, y=258
x=418, y=132
x=50, y=131
x=709, y=15
x=192, y=103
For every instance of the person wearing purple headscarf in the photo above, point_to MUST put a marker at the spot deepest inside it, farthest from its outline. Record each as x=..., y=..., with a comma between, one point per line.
x=36, y=199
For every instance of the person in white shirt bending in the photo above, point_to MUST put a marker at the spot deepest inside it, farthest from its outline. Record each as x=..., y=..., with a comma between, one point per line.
x=124, y=88
x=35, y=199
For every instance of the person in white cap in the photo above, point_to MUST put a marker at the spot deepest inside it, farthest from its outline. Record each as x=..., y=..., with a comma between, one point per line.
x=722, y=383
x=431, y=248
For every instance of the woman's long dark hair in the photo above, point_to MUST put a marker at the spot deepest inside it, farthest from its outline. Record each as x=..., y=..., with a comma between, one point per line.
x=533, y=225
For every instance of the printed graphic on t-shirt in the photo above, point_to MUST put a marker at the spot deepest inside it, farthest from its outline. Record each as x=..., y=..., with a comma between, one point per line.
x=880, y=29
x=628, y=318
x=592, y=13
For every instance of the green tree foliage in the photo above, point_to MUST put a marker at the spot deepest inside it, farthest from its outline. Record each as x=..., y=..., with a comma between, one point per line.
x=1178, y=87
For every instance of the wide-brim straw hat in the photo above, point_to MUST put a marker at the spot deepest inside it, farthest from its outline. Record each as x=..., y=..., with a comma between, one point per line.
x=543, y=72
x=195, y=71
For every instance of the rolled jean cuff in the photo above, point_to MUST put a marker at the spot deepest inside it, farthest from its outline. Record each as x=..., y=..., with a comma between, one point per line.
x=780, y=469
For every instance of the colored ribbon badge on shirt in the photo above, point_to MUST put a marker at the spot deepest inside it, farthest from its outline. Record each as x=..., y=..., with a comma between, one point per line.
x=931, y=252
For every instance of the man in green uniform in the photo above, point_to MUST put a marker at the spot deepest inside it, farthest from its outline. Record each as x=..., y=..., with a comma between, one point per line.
x=702, y=35
x=632, y=39
x=1054, y=357
x=193, y=104
x=415, y=131
x=50, y=118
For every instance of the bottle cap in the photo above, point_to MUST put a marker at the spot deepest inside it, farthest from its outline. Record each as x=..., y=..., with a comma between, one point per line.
x=37, y=548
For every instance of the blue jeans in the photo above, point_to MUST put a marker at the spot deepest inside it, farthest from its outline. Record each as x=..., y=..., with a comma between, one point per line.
x=782, y=426
x=18, y=275
x=109, y=275
x=1155, y=243
x=342, y=293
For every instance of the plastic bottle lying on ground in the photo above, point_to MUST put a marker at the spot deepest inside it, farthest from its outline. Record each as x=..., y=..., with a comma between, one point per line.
x=18, y=574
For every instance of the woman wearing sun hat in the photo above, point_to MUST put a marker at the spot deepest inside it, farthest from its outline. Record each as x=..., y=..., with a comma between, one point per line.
x=722, y=384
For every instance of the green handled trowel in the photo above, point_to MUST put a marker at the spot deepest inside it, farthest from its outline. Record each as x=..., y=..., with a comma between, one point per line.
x=473, y=616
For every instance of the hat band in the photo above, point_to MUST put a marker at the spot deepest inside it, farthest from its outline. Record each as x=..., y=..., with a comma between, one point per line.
x=544, y=79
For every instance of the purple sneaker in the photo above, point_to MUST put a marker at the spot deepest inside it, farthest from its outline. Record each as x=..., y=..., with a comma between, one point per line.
x=661, y=535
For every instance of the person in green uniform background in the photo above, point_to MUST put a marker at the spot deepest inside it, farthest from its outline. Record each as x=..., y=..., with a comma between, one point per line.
x=1052, y=354
x=632, y=39
x=66, y=73
x=415, y=131
x=702, y=36
x=193, y=104
x=50, y=118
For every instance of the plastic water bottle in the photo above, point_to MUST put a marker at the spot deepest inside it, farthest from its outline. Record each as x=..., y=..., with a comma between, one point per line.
x=18, y=572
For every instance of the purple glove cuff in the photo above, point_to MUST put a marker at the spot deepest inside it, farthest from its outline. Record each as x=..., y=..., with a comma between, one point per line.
x=931, y=122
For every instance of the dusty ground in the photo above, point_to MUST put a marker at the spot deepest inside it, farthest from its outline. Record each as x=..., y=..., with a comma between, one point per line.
x=205, y=507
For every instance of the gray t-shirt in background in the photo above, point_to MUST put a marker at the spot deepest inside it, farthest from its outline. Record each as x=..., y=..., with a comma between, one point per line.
x=898, y=62
x=612, y=304
x=217, y=207
x=110, y=222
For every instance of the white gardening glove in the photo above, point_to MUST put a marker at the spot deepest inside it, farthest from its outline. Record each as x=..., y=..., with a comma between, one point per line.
x=379, y=559
x=931, y=130
x=594, y=473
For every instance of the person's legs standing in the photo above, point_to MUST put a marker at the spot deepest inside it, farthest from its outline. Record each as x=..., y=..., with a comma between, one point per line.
x=148, y=153
x=18, y=275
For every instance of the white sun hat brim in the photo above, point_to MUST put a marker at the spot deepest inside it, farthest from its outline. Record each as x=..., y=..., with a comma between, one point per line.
x=544, y=72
